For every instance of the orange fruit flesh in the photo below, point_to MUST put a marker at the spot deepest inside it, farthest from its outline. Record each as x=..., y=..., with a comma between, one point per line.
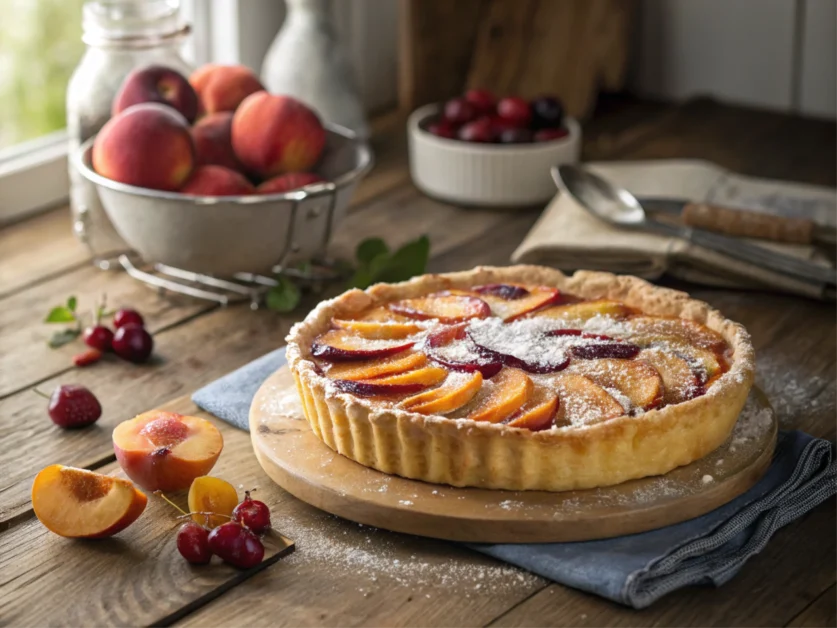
x=198, y=441
x=82, y=504
x=208, y=494
x=510, y=389
x=447, y=398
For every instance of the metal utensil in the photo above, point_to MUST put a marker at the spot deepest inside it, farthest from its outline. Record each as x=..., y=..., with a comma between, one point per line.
x=745, y=223
x=617, y=206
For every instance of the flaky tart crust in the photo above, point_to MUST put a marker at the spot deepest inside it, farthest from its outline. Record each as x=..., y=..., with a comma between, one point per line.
x=462, y=452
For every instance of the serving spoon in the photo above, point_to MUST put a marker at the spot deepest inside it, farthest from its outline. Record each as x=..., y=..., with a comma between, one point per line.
x=617, y=206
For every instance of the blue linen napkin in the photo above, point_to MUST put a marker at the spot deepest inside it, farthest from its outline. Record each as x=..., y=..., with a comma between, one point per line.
x=638, y=569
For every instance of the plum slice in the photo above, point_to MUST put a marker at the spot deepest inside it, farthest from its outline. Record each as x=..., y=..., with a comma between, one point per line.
x=378, y=330
x=583, y=401
x=690, y=331
x=374, y=389
x=380, y=368
x=521, y=344
x=457, y=390
x=427, y=376
x=508, y=392
x=445, y=307
x=451, y=347
x=597, y=346
x=680, y=380
x=340, y=345
x=510, y=302
x=539, y=411
x=585, y=310
x=638, y=381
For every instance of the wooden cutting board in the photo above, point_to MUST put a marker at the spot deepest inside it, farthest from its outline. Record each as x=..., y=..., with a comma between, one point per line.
x=299, y=462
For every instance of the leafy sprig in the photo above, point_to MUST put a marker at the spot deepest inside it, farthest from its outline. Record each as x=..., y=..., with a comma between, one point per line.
x=63, y=314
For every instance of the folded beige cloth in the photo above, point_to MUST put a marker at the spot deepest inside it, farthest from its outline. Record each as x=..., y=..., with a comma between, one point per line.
x=568, y=237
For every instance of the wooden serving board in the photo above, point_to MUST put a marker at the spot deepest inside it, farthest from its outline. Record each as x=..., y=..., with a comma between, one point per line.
x=299, y=462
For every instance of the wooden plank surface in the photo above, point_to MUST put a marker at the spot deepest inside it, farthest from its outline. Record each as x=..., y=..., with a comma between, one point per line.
x=821, y=612
x=355, y=568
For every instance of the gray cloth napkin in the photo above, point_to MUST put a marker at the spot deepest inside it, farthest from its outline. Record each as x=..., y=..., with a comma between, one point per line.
x=638, y=569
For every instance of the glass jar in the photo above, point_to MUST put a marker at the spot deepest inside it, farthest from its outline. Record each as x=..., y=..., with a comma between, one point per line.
x=121, y=35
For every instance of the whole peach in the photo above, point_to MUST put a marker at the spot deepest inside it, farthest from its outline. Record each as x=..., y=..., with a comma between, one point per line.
x=213, y=141
x=274, y=134
x=288, y=182
x=216, y=181
x=223, y=87
x=147, y=145
x=157, y=83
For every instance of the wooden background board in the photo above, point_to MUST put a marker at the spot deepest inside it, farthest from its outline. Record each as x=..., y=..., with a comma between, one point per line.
x=293, y=456
x=573, y=48
x=342, y=573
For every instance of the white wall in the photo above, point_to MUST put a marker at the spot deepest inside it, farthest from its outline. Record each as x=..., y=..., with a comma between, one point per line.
x=778, y=54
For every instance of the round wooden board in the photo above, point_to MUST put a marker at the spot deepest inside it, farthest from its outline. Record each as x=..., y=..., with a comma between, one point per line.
x=304, y=466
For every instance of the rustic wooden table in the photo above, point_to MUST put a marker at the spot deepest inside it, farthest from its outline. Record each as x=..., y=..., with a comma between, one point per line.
x=342, y=573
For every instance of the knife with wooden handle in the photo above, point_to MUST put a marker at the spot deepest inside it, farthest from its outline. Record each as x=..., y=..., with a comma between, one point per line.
x=745, y=223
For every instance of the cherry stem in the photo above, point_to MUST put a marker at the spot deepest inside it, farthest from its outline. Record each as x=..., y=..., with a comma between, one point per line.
x=41, y=393
x=201, y=512
x=179, y=509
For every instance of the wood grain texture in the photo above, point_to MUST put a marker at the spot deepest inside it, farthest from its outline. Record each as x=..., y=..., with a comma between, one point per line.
x=298, y=461
x=821, y=612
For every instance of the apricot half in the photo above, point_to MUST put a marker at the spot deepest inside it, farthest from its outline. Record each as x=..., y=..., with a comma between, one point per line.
x=77, y=503
x=165, y=451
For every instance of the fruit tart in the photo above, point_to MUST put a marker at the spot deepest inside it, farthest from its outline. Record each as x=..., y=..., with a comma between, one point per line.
x=520, y=378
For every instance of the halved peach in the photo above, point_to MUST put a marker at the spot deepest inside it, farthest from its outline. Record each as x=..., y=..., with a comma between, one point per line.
x=445, y=307
x=680, y=380
x=340, y=345
x=539, y=411
x=638, y=381
x=508, y=393
x=77, y=503
x=585, y=310
x=380, y=368
x=509, y=301
x=582, y=401
x=378, y=330
x=427, y=376
x=457, y=390
x=165, y=451
x=692, y=332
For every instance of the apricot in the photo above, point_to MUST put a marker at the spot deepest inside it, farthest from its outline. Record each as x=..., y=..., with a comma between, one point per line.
x=166, y=451
x=274, y=134
x=146, y=145
x=223, y=87
x=157, y=83
x=208, y=494
x=213, y=143
x=77, y=503
x=216, y=181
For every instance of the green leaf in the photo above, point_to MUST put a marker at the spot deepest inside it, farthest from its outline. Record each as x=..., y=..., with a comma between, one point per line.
x=283, y=297
x=60, y=338
x=71, y=304
x=60, y=314
x=369, y=249
x=408, y=261
x=370, y=273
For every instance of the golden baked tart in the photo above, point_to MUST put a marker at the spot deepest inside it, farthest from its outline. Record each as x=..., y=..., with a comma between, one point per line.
x=520, y=378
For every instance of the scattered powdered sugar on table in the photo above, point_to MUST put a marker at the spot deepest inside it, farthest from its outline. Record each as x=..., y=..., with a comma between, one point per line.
x=280, y=401
x=794, y=392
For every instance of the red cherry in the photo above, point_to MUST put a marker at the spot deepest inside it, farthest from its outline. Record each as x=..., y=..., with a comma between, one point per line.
x=459, y=111
x=515, y=111
x=126, y=316
x=515, y=136
x=98, y=337
x=547, y=135
x=193, y=543
x=442, y=128
x=253, y=514
x=236, y=545
x=477, y=131
x=482, y=100
x=73, y=406
x=133, y=343
x=91, y=356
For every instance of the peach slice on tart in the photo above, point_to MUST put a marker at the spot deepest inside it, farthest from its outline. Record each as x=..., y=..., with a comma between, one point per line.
x=596, y=346
x=539, y=411
x=341, y=345
x=509, y=301
x=706, y=362
x=680, y=380
x=502, y=397
x=446, y=307
x=166, y=451
x=690, y=331
x=426, y=376
x=636, y=380
x=394, y=365
x=77, y=503
x=381, y=314
x=585, y=310
x=451, y=346
x=581, y=401
x=457, y=390
x=378, y=330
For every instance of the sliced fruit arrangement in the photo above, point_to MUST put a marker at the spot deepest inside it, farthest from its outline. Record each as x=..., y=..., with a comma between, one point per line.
x=452, y=347
x=585, y=310
x=583, y=401
x=340, y=344
x=681, y=381
x=506, y=395
x=510, y=301
x=707, y=363
x=166, y=451
x=538, y=412
x=379, y=368
x=444, y=307
x=78, y=503
x=638, y=381
x=379, y=330
x=520, y=344
x=457, y=390
x=690, y=331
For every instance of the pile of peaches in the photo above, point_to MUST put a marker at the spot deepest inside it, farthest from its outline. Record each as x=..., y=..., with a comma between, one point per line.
x=158, y=451
x=217, y=133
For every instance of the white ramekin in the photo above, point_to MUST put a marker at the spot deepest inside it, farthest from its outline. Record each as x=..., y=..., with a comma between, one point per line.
x=492, y=175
